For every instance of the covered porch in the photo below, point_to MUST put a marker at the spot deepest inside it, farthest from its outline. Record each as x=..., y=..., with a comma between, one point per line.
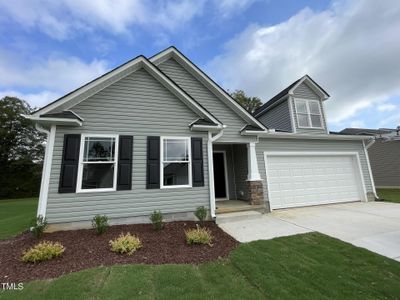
x=237, y=182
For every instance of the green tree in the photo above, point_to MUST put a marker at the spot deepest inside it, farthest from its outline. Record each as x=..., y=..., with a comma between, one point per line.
x=21, y=150
x=248, y=103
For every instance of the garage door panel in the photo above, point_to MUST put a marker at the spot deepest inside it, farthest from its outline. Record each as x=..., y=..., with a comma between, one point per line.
x=309, y=180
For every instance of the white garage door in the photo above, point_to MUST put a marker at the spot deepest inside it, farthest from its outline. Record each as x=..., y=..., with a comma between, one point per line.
x=301, y=180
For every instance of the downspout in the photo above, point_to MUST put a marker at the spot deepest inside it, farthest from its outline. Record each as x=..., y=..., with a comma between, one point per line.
x=210, y=141
x=369, y=165
x=48, y=156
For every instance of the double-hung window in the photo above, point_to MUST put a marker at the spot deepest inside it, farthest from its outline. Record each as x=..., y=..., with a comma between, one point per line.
x=98, y=163
x=308, y=113
x=175, y=166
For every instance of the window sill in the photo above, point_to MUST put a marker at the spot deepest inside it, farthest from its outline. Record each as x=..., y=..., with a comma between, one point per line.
x=96, y=191
x=175, y=186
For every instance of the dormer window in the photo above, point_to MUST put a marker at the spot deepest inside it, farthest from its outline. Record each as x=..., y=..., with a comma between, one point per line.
x=308, y=113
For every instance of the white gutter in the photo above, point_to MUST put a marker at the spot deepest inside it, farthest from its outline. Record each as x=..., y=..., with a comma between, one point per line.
x=206, y=128
x=281, y=135
x=52, y=121
x=370, y=143
x=48, y=157
x=369, y=165
x=210, y=141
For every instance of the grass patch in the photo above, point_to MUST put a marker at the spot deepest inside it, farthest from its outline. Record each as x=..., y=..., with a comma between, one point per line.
x=16, y=215
x=307, y=266
x=390, y=195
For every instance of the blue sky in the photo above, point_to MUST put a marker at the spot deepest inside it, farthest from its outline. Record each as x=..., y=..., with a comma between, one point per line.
x=349, y=47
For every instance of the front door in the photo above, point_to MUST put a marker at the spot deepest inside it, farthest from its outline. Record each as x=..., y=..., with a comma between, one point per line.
x=219, y=176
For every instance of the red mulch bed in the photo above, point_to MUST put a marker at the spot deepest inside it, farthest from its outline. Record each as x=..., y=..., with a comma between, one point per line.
x=84, y=249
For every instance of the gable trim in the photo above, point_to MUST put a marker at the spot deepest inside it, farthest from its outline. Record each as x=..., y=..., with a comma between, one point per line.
x=134, y=64
x=218, y=91
x=311, y=84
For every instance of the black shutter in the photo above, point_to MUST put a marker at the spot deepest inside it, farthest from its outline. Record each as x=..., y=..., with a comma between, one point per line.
x=69, y=164
x=153, y=162
x=197, y=162
x=124, y=177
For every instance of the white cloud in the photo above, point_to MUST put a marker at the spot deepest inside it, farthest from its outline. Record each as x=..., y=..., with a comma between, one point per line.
x=351, y=49
x=59, y=74
x=36, y=100
x=231, y=7
x=357, y=124
x=45, y=80
x=386, y=107
x=63, y=18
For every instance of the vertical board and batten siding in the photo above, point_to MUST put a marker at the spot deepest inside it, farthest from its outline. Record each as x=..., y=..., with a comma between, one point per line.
x=207, y=99
x=278, y=117
x=305, y=92
x=140, y=106
x=384, y=158
x=287, y=145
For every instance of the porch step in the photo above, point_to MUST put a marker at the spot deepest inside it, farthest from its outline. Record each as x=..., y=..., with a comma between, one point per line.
x=222, y=209
x=237, y=216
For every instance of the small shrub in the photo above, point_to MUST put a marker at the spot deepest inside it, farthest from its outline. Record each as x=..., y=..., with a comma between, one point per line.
x=201, y=214
x=38, y=226
x=125, y=244
x=156, y=219
x=43, y=251
x=100, y=224
x=199, y=235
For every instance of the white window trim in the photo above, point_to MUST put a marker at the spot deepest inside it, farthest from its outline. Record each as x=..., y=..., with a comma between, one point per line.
x=307, y=101
x=80, y=166
x=162, y=186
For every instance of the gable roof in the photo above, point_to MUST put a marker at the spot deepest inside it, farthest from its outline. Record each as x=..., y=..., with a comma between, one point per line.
x=289, y=91
x=365, y=131
x=114, y=75
x=218, y=91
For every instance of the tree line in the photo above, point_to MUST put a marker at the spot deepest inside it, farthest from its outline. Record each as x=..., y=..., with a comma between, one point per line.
x=21, y=150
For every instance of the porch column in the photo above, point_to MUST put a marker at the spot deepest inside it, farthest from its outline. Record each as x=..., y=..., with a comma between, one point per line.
x=252, y=166
x=254, y=182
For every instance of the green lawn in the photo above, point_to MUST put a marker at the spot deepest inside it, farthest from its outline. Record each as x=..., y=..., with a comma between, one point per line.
x=391, y=195
x=16, y=215
x=308, y=266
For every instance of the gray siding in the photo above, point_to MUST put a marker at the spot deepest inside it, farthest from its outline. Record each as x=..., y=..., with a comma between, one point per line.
x=303, y=91
x=278, y=117
x=207, y=99
x=385, y=163
x=137, y=105
x=312, y=145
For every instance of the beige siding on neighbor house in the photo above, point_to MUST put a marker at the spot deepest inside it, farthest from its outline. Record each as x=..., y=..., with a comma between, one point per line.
x=140, y=106
x=207, y=99
x=385, y=163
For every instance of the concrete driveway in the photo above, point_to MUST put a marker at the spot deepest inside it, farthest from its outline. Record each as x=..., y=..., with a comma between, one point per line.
x=374, y=225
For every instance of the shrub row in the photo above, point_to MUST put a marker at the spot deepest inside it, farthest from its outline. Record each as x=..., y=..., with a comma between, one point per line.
x=125, y=243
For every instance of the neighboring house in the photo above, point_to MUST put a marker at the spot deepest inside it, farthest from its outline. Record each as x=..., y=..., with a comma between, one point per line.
x=384, y=155
x=159, y=134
